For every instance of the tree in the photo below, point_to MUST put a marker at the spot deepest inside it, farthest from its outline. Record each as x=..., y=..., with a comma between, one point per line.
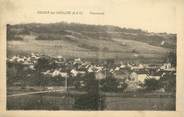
x=152, y=84
x=172, y=58
x=92, y=100
x=42, y=64
x=168, y=82
x=109, y=84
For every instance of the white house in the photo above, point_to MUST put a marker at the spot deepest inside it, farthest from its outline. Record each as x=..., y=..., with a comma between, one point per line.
x=157, y=77
x=141, y=77
x=100, y=75
x=166, y=66
x=74, y=72
x=133, y=77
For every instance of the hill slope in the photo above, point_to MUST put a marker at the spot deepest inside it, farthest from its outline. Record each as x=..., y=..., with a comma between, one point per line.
x=89, y=41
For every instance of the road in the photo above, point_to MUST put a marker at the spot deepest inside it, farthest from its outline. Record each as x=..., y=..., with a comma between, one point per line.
x=36, y=92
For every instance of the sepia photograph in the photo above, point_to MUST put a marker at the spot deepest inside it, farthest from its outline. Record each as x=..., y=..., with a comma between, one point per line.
x=71, y=66
x=122, y=57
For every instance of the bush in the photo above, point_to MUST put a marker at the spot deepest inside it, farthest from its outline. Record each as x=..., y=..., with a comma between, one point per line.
x=152, y=84
x=109, y=85
x=169, y=82
x=48, y=37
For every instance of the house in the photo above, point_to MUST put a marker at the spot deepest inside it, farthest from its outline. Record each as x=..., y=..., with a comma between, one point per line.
x=122, y=66
x=75, y=72
x=98, y=68
x=13, y=59
x=35, y=56
x=132, y=87
x=133, y=77
x=157, y=77
x=48, y=72
x=166, y=66
x=90, y=69
x=100, y=75
x=64, y=74
x=77, y=61
x=117, y=69
x=137, y=67
x=161, y=90
x=141, y=77
x=20, y=60
x=133, y=81
x=121, y=74
x=56, y=73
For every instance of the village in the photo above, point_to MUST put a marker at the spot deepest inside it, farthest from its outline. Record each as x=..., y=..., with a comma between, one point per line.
x=51, y=72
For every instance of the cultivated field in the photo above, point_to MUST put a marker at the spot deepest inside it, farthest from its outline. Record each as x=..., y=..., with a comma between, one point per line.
x=88, y=48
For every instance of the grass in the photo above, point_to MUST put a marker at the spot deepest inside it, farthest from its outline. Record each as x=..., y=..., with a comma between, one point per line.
x=39, y=102
x=54, y=102
x=118, y=103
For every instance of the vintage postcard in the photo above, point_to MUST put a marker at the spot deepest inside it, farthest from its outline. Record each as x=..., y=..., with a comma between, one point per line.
x=92, y=58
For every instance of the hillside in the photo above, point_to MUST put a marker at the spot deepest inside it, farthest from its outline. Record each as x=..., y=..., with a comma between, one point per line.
x=89, y=41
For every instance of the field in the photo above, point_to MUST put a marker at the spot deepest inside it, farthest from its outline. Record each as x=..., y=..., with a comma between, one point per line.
x=54, y=102
x=39, y=102
x=86, y=48
x=89, y=41
x=118, y=103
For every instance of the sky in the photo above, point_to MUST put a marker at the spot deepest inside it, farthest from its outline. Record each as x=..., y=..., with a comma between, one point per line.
x=148, y=15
